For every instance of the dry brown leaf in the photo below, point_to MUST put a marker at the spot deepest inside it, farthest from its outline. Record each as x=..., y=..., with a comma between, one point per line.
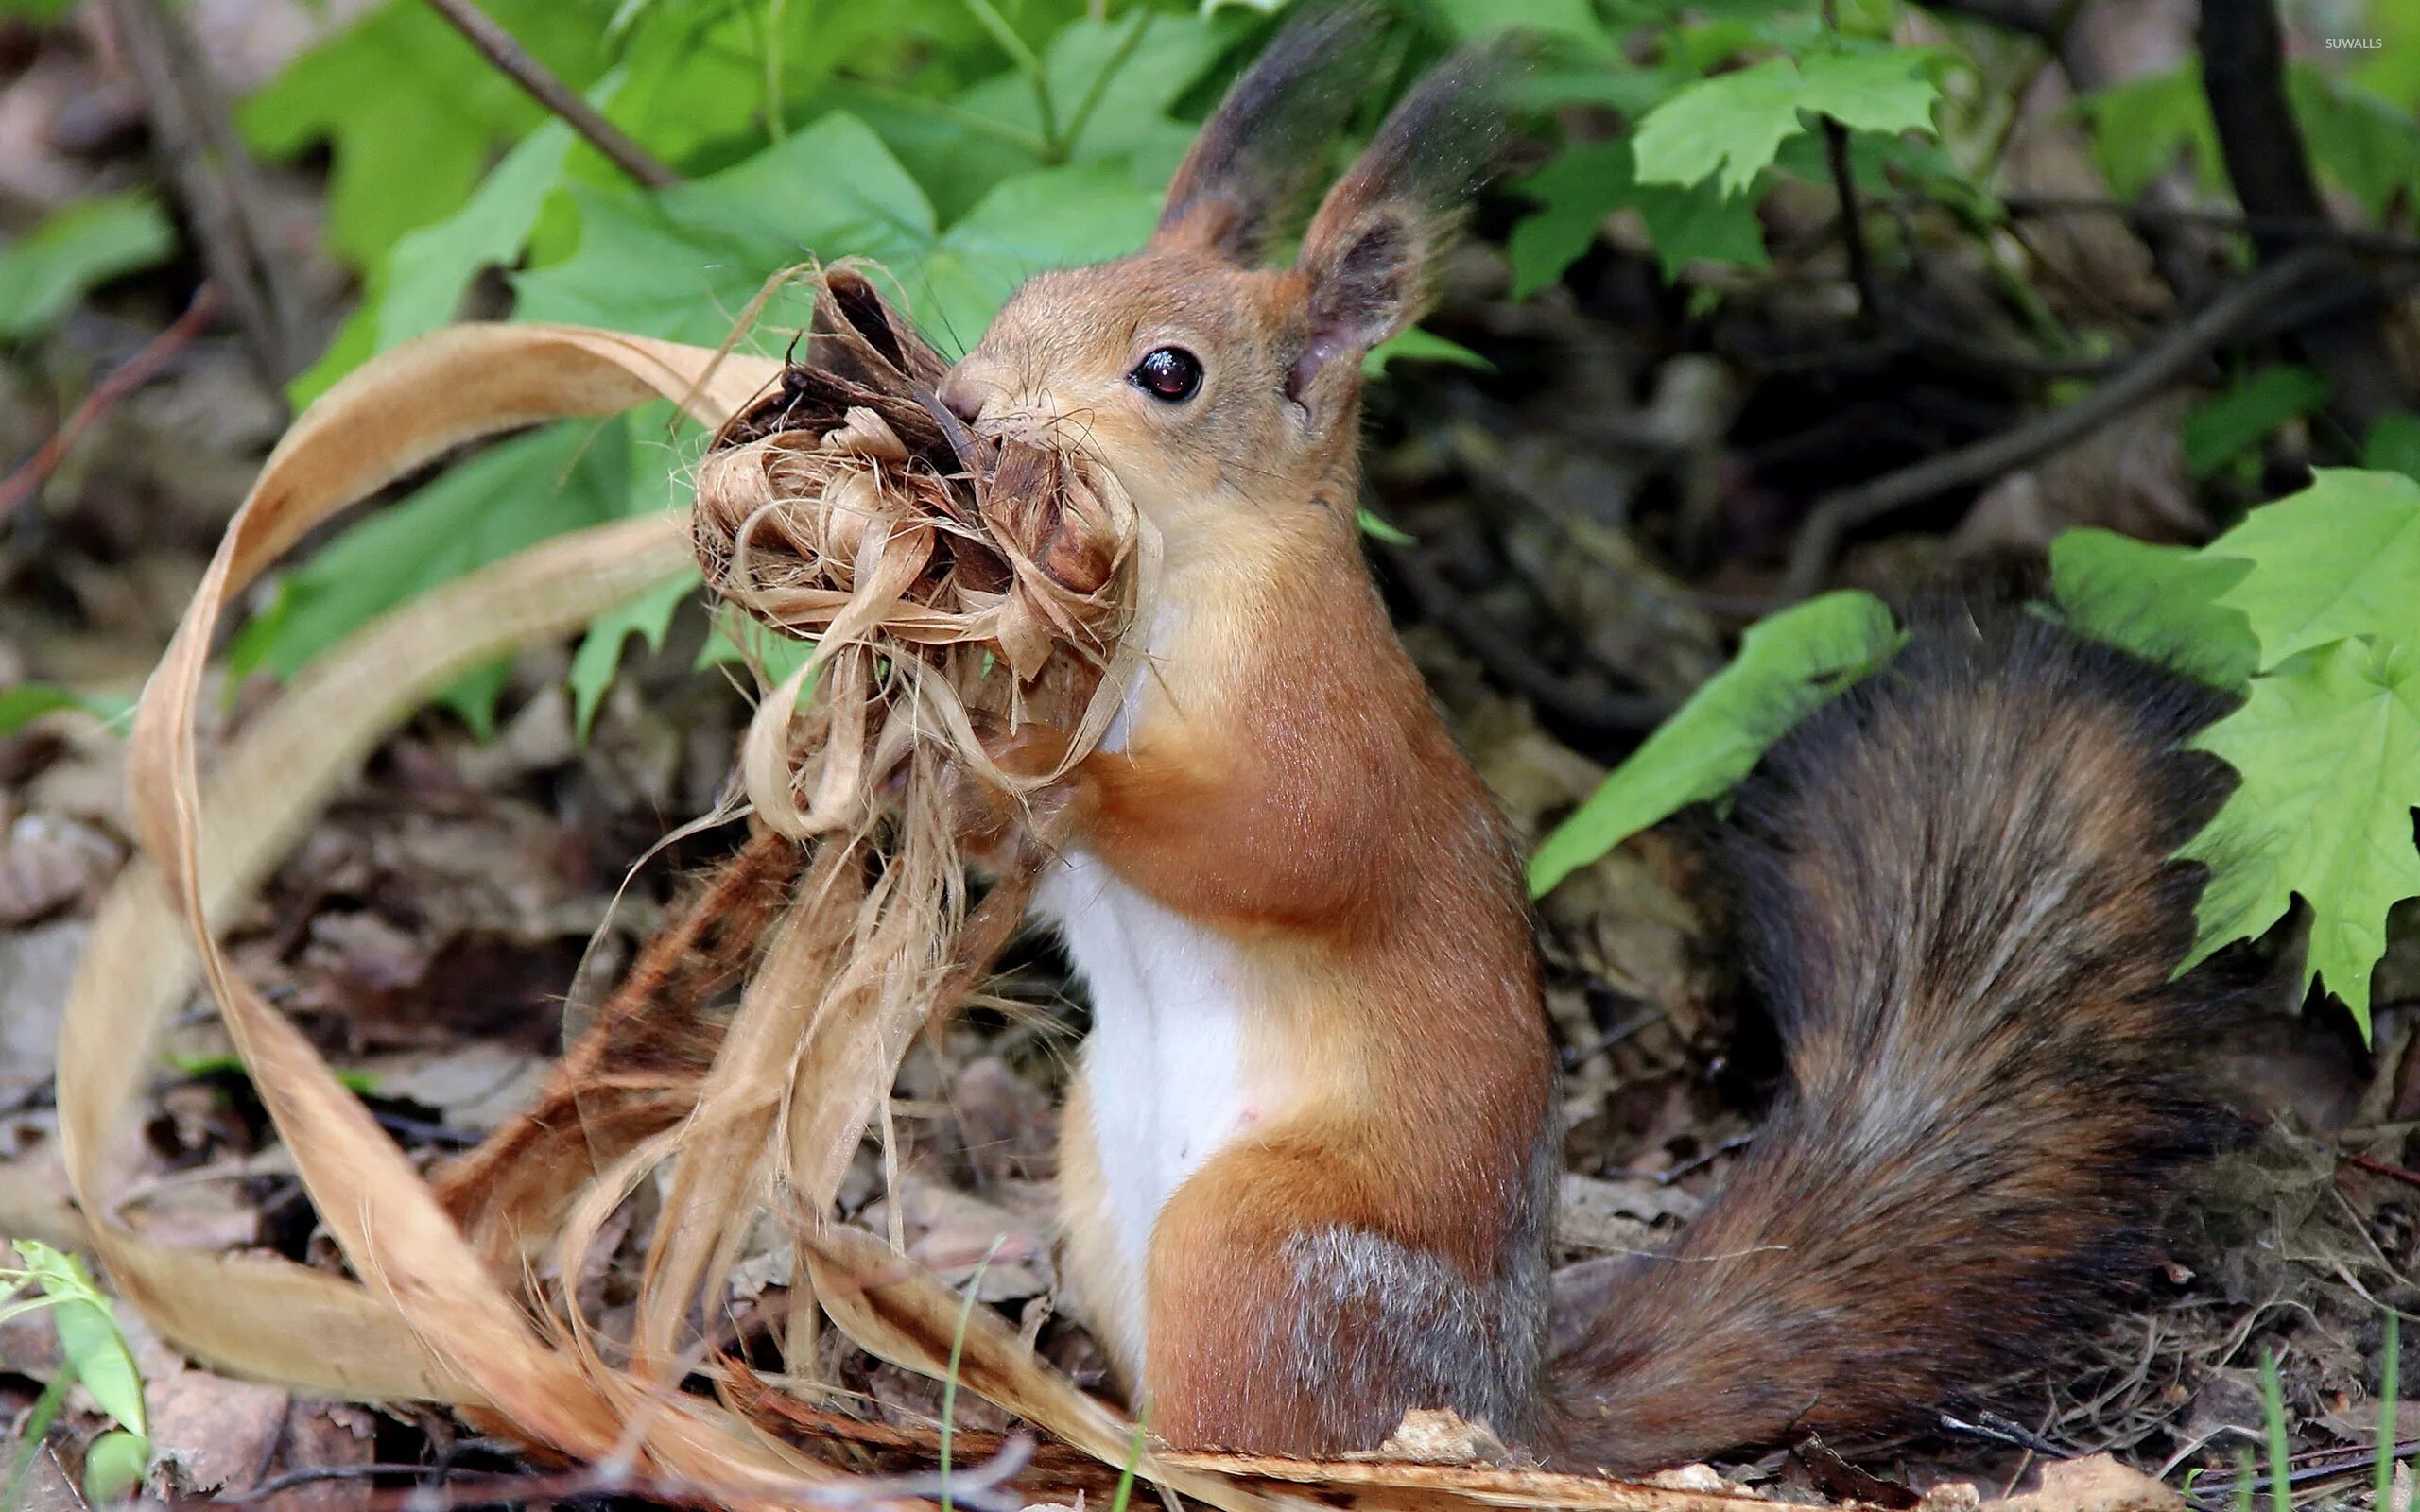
x=2097, y=1483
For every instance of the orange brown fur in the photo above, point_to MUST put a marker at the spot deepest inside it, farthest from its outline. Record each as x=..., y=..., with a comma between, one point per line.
x=1956, y=896
x=1289, y=789
x=1953, y=882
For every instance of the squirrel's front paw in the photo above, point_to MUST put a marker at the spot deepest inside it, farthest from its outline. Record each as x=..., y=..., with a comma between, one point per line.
x=993, y=820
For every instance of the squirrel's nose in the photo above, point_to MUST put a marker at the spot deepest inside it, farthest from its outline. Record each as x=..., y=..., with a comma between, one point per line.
x=960, y=398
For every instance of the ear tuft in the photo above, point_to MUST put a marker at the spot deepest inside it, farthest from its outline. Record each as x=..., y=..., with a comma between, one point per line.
x=1372, y=252
x=1260, y=154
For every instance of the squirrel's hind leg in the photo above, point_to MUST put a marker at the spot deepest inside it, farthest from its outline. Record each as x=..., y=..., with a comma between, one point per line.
x=1284, y=1318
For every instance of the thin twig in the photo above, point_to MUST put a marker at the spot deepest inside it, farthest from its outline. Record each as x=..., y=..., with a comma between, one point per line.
x=514, y=60
x=203, y=159
x=2283, y=228
x=132, y=374
x=1516, y=664
x=2377, y=1167
x=2160, y=362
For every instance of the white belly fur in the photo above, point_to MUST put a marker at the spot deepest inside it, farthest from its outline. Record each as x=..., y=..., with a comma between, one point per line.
x=1164, y=1063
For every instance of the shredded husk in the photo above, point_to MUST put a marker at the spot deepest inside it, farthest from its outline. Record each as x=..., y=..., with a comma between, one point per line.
x=951, y=581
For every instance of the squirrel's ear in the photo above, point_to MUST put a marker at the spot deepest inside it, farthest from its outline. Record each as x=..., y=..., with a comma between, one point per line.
x=1259, y=155
x=1372, y=252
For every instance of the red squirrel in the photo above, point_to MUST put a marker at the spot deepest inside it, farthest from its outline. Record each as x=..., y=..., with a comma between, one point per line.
x=1308, y=1162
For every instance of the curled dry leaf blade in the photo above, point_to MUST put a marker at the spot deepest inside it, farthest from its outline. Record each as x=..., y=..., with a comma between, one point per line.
x=431, y=1323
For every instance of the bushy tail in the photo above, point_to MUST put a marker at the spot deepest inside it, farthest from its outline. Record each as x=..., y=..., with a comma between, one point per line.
x=1954, y=892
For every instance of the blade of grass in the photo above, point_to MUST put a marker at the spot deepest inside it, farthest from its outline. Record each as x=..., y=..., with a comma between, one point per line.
x=957, y=1351
x=2273, y=1402
x=1134, y=1452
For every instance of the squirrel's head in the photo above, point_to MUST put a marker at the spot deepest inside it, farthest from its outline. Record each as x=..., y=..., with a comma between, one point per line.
x=1208, y=380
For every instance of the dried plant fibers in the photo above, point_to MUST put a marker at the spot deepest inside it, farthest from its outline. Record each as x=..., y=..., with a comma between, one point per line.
x=950, y=580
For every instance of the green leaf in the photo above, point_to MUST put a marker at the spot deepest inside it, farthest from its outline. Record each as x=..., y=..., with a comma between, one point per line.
x=683, y=263
x=2357, y=139
x=2159, y=602
x=45, y=271
x=1416, y=345
x=1787, y=665
x=1887, y=90
x=1592, y=180
x=599, y=656
x=1726, y=128
x=2142, y=128
x=431, y=266
x=2392, y=69
x=2218, y=432
x=560, y=478
x=420, y=285
x=114, y=1464
x=411, y=112
x=742, y=640
x=2328, y=747
x=1377, y=528
x=1729, y=127
x=89, y=1340
x=2339, y=559
x=2394, y=445
x=1569, y=20
x=1052, y=217
x=24, y=702
x=1130, y=99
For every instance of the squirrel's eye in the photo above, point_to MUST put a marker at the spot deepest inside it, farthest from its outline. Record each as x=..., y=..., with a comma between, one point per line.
x=1169, y=374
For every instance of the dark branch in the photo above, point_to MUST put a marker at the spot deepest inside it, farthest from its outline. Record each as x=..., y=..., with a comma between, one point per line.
x=213, y=177
x=2243, y=73
x=2283, y=229
x=539, y=81
x=2160, y=362
x=1835, y=155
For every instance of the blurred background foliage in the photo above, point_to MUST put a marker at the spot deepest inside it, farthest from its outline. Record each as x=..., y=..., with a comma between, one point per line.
x=963, y=144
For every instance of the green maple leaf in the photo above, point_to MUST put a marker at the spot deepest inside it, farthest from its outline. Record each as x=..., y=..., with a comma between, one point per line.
x=2339, y=559
x=2356, y=138
x=1787, y=665
x=1884, y=91
x=2159, y=602
x=1730, y=126
x=2330, y=750
x=1592, y=180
